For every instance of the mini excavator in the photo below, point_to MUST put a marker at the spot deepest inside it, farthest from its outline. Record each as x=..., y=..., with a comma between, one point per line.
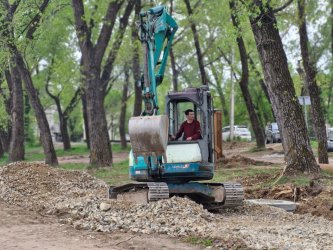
x=160, y=167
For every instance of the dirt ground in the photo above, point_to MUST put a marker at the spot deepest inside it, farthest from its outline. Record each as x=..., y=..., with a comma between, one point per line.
x=316, y=199
x=23, y=229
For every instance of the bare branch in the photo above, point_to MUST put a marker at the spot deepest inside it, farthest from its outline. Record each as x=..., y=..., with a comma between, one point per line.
x=283, y=6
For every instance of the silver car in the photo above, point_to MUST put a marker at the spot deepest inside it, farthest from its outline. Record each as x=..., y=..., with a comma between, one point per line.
x=330, y=140
x=272, y=133
x=240, y=132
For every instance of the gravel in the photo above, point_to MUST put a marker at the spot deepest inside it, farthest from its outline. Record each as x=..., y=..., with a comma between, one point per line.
x=79, y=199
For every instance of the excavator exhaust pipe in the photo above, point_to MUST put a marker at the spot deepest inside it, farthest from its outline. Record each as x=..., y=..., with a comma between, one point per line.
x=149, y=135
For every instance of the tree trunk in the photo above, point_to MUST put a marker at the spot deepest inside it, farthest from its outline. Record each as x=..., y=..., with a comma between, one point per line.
x=64, y=133
x=16, y=148
x=85, y=118
x=175, y=72
x=311, y=84
x=43, y=125
x=298, y=153
x=5, y=139
x=196, y=44
x=122, y=118
x=63, y=127
x=244, y=81
x=96, y=79
x=2, y=152
x=137, y=109
x=100, y=147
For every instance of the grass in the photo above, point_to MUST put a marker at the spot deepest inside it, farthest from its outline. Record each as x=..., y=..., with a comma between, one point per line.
x=118, y=174
x=199, y=241
x=300, y=180
x=230, y=174
x=36, y=153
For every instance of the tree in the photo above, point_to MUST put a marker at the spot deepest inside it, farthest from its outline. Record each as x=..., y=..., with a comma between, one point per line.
x=296, y=144
x=137, y=109
x=6, y=126
x=96, y=78
x=16, y=148
x=122, y=117
x=244, y=81
x=311, y=84
x=196, y=44
x=7, y=34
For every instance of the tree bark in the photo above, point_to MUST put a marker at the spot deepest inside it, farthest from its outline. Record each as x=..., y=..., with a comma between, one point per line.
x=137, y=109
x=122, y=117
x=196, y=44
x=43, y=125
x=5, y=139
x=298, y=153
x=16, y=148
x=85, y=118
x=313, y=89
x=175, y=72
x=244, y=81
x=2, y=152
x=96, y=79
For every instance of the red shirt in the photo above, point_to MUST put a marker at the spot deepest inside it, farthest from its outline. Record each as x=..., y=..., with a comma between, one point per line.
x=190, y=130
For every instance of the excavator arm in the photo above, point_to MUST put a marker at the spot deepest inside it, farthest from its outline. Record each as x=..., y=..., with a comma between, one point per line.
x=149, y=132
x=157, y=29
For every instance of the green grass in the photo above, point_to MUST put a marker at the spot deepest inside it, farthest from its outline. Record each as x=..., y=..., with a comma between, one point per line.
x=118, y=174
x=36, y=153
x=199, y=241
x=300, y=180
x=230, y=174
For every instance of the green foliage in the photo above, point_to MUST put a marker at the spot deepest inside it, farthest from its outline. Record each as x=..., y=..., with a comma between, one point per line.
x=53, y=55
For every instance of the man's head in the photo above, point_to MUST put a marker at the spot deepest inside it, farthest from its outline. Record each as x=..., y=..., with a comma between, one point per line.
x=189, y=115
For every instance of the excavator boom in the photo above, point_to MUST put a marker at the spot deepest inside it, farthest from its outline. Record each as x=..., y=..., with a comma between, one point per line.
x=149, y=132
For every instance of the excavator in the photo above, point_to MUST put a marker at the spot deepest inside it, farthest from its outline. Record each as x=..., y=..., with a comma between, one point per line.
x=161, y=167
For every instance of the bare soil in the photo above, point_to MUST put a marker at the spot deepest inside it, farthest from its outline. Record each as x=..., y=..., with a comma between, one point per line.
x=315, y=199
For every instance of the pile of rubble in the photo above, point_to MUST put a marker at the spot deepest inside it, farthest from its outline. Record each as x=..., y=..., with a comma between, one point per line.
x=37, y=186
x=78, y=199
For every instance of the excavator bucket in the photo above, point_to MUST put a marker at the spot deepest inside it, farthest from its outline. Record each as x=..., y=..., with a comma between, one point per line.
x=149, y=135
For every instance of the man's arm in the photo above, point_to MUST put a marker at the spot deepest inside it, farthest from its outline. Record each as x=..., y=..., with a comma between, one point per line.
x=180, y=132
x=197, y=131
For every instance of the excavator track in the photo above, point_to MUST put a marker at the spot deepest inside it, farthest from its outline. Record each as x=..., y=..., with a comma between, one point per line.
x=157, y=191
x=233, y=194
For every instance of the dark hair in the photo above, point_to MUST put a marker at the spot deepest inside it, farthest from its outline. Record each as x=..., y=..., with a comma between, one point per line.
x=187, y=111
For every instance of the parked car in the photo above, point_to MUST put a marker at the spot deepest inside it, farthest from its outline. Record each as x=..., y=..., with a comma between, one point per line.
x=240, y=132
x=330, y=140
x=272, y=133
